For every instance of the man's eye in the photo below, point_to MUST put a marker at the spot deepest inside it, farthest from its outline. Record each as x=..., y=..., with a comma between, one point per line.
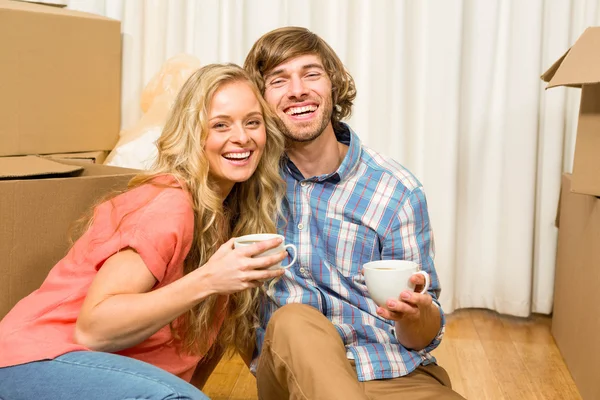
x=313, y=75
x=277, y=82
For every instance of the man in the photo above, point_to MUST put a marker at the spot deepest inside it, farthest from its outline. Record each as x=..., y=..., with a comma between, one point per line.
x=322, y=337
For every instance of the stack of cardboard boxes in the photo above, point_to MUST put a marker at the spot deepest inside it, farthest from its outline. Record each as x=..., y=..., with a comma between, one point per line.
x=60, y=79
x=576, y=315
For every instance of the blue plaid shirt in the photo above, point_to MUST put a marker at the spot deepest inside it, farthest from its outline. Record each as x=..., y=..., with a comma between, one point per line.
x=371, y=208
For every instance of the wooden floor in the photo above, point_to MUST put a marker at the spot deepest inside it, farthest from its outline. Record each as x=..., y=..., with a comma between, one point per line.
x=487, y=356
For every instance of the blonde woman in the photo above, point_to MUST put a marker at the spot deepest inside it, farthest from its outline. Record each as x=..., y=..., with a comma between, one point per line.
x=154, y=283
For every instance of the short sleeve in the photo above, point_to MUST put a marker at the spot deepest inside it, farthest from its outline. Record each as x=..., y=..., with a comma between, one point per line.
x=163, y=234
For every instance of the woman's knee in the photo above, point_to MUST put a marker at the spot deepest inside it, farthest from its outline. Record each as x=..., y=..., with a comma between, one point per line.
x=85, y=381
x=126, y=377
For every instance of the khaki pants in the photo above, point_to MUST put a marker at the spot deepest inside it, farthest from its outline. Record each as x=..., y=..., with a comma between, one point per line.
x=303, y=357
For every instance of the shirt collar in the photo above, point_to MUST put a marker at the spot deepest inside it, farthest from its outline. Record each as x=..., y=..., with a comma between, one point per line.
x=344, y=135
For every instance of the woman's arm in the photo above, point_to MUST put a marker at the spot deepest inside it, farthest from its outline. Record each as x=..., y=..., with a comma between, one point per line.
x=121, y=309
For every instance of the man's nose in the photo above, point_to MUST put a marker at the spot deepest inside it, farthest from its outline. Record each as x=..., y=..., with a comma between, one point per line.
x=297, y=88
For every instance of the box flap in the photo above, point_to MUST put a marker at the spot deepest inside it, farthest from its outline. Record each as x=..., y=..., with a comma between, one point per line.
x=549, y=74
x=96, y=157
x=32, y=166
x=566, y=180
x=578, y=66
x=53, y=3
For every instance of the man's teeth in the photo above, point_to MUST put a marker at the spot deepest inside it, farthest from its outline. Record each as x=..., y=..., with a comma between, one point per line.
x=237, y=155
x=300, y=110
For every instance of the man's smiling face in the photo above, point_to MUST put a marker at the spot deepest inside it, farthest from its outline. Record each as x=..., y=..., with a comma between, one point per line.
x=299, y=91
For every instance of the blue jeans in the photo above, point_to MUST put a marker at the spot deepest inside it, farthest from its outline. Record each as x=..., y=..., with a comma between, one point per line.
x=92, y=375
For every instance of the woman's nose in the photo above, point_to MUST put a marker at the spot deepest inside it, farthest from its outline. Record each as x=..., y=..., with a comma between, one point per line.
x=240, y=135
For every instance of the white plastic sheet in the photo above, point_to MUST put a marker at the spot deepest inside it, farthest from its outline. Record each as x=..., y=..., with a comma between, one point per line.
x=136, y=147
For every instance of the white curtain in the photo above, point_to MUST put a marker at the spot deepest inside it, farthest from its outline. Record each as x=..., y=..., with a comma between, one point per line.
x=449, y=88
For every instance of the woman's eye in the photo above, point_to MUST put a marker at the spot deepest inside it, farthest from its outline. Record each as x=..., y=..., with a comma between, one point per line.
x=254, y=123
x=219, y=125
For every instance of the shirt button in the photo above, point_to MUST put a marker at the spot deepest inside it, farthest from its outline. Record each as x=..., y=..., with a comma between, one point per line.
x=300, y=226
x=303, y=183
x=302, y=270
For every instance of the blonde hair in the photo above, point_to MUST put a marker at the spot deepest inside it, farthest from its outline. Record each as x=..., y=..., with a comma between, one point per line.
x=282, y=44
x=251, y=206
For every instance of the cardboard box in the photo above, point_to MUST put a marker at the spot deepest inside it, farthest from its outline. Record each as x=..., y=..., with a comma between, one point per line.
x=38, y=207
x=576, y=315
x=93, y=157
x=580, y=67
x=60, y=80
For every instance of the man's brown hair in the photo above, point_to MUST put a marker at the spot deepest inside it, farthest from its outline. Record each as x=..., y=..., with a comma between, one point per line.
x=282, y=44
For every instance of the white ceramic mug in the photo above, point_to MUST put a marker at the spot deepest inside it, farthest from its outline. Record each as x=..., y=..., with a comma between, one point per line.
x=386, y=279
x=249, y=240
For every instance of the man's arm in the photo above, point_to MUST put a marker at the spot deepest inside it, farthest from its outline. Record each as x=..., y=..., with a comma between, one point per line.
x=417, y=317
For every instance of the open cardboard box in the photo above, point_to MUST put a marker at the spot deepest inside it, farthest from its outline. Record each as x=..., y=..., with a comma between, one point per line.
x=40, y=199
x=60, y=80
x=576, y=315
x=580, y=67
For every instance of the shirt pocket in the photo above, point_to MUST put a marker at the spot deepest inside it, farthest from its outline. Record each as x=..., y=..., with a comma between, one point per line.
x=349, y=246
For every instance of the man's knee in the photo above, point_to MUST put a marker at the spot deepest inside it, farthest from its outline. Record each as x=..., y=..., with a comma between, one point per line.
x=437, y=372
x=293, y=316
x=293, y=319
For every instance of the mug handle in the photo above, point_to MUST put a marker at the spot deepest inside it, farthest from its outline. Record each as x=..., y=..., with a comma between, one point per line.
x=426, y=276
x=290, y=246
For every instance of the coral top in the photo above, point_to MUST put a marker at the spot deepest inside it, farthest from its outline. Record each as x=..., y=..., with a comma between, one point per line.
x=156, y=221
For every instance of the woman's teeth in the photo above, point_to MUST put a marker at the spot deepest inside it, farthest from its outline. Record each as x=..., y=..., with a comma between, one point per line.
x=237, y=156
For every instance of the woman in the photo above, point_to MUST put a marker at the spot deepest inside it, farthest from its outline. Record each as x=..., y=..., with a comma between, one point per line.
x=153, y=284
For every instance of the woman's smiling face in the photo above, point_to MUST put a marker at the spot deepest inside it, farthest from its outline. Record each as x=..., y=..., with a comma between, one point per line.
x=236, y=135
